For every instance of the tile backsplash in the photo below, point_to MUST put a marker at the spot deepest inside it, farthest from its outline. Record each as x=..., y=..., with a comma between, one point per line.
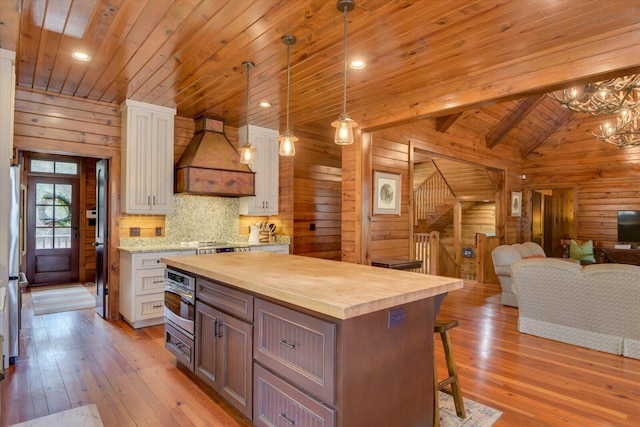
x=197, y=218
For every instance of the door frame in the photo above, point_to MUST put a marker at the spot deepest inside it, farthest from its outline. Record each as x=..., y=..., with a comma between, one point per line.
x=111, y=153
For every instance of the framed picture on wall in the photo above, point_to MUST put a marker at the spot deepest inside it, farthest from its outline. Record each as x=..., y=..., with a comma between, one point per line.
x=516, y=203
x=386, y=196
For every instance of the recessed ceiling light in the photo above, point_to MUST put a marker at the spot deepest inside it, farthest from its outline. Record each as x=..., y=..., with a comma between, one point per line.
x=81, y=56
x=357, y=64
x=265, y=104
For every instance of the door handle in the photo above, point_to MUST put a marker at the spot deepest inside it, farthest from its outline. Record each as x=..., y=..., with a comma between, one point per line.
x=96, y=244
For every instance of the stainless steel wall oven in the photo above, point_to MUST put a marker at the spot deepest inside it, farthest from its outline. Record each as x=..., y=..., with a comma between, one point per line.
x=179, y=313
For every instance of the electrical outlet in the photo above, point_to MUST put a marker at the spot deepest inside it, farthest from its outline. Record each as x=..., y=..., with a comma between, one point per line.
x=134, y=231
x=158, y=231
x=396, y=317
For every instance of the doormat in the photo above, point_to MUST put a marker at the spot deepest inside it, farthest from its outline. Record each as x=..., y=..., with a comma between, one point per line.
x=56, y=299
x=83, y=416
x=478, y=415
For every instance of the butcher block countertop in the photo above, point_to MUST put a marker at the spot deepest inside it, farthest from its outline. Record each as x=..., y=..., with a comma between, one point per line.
x=337, y=289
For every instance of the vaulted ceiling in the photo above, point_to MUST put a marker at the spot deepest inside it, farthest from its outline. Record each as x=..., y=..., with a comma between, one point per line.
x=425, y=59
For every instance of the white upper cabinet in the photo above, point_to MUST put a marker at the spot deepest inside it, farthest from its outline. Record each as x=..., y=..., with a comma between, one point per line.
x=147, y=158
x=265, y=202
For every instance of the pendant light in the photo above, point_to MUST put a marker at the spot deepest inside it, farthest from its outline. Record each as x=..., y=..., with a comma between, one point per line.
x=344, y=125
x=247, y=151
x=287, y=138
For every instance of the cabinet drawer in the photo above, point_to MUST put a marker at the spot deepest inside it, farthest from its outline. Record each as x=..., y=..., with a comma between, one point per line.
x=179, y=345
x=229, y=300
x=299, y=347
x=152, y=260
x=278, y=403
x=149, y=281
x=150, y=306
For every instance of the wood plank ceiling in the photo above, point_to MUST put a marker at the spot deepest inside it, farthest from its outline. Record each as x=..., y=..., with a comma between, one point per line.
x=425, y=59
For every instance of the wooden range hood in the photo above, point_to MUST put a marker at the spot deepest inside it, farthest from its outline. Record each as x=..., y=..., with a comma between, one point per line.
x=211, y=165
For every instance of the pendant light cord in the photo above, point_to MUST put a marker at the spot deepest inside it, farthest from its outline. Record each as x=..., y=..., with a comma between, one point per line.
x=288, y=82
x=248, y=68
x=344, y=102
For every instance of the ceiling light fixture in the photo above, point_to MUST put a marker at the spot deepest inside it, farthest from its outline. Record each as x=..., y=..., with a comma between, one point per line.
x=344, y=125
x=247, y=151
x=265, y=104
x=357, y=64
x=81, y=56
x=625, y=133
x=287, y=138
x=605, y=97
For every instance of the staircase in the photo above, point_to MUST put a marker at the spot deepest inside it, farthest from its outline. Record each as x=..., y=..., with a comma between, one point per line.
x=432, y=204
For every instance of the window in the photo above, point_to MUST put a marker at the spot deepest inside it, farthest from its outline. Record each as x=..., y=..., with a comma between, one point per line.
x=54, y=167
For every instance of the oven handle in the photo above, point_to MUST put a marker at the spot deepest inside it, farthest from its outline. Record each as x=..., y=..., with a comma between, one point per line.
x=168, y=287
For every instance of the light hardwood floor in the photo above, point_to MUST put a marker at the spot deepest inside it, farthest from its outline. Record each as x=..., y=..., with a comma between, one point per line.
x=75, y=358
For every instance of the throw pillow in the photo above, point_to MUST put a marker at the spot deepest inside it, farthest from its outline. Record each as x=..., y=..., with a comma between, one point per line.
x=583, y=252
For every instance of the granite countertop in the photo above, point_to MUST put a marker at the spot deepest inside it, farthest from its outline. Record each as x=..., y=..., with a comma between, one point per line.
x=182, y=247
x=337, y=289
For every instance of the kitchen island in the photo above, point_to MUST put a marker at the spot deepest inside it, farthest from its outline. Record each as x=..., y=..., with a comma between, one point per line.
x=333, y=344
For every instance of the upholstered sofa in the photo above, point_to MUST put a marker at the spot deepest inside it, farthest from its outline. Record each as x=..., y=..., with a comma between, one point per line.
x=505, y=255
x=594, y=306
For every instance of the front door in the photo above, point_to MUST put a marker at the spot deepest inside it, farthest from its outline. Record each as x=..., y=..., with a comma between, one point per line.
x=102, y=176
x=52, y=232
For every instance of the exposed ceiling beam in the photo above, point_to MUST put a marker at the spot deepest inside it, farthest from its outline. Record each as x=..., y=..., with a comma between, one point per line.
x=564, y=118
x=512, y=120
x=444, y=122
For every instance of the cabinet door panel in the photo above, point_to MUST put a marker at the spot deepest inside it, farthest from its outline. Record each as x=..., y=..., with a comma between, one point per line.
x=206, y=343
x=235, y=356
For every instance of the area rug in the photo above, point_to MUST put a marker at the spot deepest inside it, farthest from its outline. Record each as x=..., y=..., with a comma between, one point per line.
x=478, y=415
x=83, y=416
x=56, y=299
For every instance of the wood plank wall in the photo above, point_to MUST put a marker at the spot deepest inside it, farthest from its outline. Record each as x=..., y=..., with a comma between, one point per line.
x=88, y=229
x=391, y=234
x=317, y=193
x=604, y=177
x=390, y=153
x=70, y=126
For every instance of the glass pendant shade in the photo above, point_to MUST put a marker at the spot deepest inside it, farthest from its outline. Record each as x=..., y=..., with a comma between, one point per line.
x=247, y=154
x=344, y=129
x=287, y=144
x=247, y=151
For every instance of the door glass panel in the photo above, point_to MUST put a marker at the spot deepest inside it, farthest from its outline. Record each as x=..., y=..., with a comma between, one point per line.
x=44, y=238
x=67, y=168
x=42, y=166
x=53, y=223
x=44, y=194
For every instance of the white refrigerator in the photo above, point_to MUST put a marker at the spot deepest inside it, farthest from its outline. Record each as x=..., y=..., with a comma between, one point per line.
x=15, y=279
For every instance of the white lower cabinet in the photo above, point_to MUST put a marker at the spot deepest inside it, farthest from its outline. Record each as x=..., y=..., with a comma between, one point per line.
x=142, y=287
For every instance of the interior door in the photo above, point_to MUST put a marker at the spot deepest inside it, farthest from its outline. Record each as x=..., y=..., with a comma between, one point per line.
x=52, y=232
x=102, y=287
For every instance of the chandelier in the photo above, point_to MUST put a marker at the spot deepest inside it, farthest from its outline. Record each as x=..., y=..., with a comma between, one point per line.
x=605, y=97
x=625, y=133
